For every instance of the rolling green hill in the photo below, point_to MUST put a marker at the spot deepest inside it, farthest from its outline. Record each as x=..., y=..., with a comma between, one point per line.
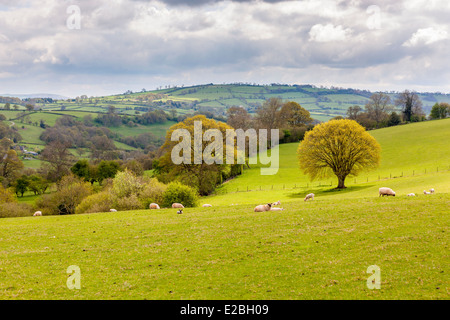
x=414, y=158
x=323, y=103
x=319, y=249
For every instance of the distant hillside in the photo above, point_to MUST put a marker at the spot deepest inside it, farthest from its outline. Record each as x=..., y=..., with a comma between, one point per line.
x=323, y=103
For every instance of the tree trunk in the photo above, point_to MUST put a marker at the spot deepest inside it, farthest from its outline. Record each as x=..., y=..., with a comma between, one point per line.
x=341, y=184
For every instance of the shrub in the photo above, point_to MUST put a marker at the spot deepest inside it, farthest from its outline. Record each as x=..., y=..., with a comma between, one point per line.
x=98, y=202
x=70, y=193
x=153, y=192
x=6, y=195
x=177, y=192
x=126, y=184
x=14, y=209
x=131, y=202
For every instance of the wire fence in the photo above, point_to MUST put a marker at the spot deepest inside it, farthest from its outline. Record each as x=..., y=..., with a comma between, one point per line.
x=329, y=183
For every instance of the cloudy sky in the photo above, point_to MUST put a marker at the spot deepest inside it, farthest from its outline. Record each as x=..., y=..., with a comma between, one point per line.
x=100, y=47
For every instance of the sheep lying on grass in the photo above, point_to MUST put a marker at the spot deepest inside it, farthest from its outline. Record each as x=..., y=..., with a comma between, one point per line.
x=276, y=203
x=154, y=206
x=276, y=209
x=206, y=205
x=411, y=195
x=386, y=192
x=426, y=192
x=431, y=190
x=112, y=210
x=263, y=207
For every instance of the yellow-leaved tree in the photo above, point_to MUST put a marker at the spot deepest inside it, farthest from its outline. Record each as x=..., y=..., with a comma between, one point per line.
x=197, y=172
x=340, y=147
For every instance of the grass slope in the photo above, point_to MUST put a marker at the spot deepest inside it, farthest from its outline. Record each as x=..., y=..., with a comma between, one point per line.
x=414, y=158
x=312, y=250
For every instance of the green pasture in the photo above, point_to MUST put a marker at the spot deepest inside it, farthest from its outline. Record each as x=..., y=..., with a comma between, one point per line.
x=414, y=158
x=311, y=250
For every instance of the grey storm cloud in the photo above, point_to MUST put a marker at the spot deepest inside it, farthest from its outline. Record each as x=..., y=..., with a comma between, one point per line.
x=202, y=2
x=177, y=41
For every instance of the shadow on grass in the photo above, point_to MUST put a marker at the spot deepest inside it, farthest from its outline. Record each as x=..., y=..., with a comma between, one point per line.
x=330, y=191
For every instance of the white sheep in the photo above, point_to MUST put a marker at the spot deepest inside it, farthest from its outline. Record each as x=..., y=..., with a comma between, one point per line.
x=206, y=205
x=37, y=214
x=386, y=192
x=263, y=207
x=276, y=203
x=411, y=195
x=276, y=209
x=309, y=196
x=431, y=190
x=177, y=205
x=154, y=206
x=426, y=192
x=112, y=210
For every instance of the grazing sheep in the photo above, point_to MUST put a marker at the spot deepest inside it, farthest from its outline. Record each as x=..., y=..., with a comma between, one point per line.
x=263, y=207
x=431, y=190
x=411, y=195
x=180, y=211
x=177, y=205
x=386, y=192
x=276, y=203
x=207, y=205
x=309, y=196
x=154, y=206
x=112, y=210
x=426, y=192
x=276, y=209
x=37, y=213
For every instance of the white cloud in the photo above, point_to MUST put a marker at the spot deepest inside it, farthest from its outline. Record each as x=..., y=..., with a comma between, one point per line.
x=426, y=36
x=328, y=32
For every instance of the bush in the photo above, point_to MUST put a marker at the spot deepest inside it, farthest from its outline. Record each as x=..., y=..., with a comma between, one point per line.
x=131, y=202
x=14, y=209
x=177, y=192
x=98, y=202
x=70, y=193
x=6, y=195
x=153, y=192
x=126, y=184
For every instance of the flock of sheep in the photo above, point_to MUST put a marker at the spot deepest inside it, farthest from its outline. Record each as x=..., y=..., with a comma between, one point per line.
x=389, y=192
x=269, y=206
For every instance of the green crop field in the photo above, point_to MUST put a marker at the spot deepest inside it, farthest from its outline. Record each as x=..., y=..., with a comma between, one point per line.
x=319, y=249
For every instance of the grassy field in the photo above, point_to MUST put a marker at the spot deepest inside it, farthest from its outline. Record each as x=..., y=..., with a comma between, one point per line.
x=414, y=158
x=312, y=250
x=319, y=249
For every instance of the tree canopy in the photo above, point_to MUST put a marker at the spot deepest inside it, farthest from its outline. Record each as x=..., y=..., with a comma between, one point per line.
x=340, y=147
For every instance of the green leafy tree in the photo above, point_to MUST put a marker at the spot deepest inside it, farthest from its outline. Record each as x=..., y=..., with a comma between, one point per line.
x=394, y=119
x=440, y=111
x=107, y=169
x=21, y=185
x=340, y=147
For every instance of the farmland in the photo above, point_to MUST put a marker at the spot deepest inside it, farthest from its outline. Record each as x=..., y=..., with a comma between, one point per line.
x=319, y=249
